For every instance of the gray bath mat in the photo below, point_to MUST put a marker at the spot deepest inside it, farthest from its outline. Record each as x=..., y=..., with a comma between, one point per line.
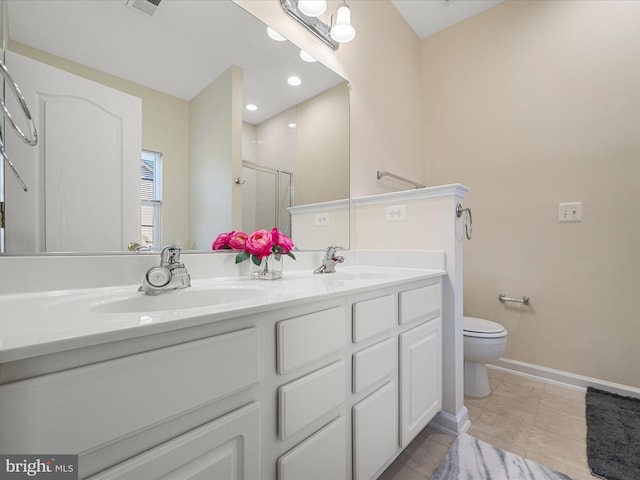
x=473, y=459
x=613, y=435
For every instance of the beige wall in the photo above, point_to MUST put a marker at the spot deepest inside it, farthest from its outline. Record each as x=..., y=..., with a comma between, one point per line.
x=383, y=66
x=531, y=104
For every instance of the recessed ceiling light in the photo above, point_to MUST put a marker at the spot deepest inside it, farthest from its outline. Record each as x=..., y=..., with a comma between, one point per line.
x=291, y=125
x=251, y=107
x=294, y=81
x=275, y=35
x=307, y=57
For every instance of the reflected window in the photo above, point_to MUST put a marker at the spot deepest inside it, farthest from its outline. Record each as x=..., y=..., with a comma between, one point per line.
x=151, y=199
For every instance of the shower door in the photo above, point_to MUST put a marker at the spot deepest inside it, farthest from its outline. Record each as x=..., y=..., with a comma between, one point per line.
x=266, y=196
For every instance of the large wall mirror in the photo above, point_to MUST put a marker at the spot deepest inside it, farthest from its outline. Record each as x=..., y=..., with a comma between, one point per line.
x=145, y=136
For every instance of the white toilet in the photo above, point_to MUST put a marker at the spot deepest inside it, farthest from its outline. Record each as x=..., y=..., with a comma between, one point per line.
x=484, y=342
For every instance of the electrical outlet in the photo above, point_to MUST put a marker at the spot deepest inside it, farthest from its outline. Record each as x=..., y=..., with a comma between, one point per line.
x=322, y=219
x=570, y=212
x=396, y=213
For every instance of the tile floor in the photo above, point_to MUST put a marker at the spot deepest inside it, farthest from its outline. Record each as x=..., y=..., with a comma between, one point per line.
x=537, y=420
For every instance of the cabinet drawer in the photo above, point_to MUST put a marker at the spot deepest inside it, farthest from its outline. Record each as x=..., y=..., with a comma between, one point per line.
x=79, y=409
x=228, y=448
x=304, y=400
x=375, y=432
x=320, y=457
x=421, y=303
x=309, y=337
x=371, y=317
x=373, y=364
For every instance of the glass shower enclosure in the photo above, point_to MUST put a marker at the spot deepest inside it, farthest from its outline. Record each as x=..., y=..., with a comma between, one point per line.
x=266, y=196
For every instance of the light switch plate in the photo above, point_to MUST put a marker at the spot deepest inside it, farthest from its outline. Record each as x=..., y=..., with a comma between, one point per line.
x=570, y=212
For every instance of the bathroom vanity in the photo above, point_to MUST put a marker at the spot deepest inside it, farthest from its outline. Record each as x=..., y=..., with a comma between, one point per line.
x=311, y=376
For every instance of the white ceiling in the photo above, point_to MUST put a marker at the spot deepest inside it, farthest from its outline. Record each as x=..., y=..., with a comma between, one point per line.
x=179, y=50
x=427, y=17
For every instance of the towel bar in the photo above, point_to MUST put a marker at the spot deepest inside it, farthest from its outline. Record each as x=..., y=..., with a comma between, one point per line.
x=503, y=298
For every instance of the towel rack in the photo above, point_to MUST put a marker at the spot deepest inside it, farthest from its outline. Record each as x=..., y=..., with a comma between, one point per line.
x=503, y=298
x=27, y=114
x=381, y=174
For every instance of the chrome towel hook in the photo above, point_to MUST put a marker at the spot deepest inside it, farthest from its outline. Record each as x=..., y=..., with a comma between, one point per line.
x=468, y=219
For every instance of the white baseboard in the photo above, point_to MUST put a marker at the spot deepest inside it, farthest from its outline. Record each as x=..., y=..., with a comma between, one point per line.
x=451, y=424
x=560, y=377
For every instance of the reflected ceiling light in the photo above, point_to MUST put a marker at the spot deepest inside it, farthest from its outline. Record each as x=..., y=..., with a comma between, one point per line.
x=333, y=33
x=275, y=35
x=251, y=107
x=294, y=81
x=312, y=8
x=291, y=125
x=342, y=31
x=307, y=57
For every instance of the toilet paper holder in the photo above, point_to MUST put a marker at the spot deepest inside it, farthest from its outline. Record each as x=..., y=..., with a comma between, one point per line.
x=503, y=298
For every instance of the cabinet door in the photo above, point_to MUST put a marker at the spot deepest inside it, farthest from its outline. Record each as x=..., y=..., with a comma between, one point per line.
x=420, y=378
x=375, y=432
x=228, y=448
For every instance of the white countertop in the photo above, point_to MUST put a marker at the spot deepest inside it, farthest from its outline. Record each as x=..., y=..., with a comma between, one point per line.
x=41, y=323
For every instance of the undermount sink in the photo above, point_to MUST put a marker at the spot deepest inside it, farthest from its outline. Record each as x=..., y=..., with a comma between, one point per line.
x=177, y=299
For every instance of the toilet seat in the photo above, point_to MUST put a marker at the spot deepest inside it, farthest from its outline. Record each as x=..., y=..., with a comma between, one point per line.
x=481, y=328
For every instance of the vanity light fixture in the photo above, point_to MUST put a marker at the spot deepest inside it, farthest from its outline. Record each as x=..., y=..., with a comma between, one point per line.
x=338, y=30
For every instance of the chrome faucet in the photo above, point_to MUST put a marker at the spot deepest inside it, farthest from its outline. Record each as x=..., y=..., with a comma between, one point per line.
x=170, y=275
x=330, y=260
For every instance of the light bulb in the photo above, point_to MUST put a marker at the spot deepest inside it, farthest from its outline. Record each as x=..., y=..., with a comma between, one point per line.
x=312, y=8
x=343, y=31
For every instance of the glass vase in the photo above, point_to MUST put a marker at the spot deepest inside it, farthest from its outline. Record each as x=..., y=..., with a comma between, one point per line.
x=270, y=268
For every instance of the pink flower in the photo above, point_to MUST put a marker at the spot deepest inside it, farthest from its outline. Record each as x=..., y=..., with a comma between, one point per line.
x=221, y=241
x=281, y=240
x=238, y=240
x=259, y=243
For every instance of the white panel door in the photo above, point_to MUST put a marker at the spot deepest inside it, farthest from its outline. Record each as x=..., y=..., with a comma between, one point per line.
x=420, y=378
x=84, y=175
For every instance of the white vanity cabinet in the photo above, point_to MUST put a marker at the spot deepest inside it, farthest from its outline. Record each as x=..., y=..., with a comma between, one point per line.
x=397, y=379
x=329, y=388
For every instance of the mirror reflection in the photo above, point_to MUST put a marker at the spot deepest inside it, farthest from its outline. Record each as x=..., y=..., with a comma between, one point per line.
x=147, y=138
